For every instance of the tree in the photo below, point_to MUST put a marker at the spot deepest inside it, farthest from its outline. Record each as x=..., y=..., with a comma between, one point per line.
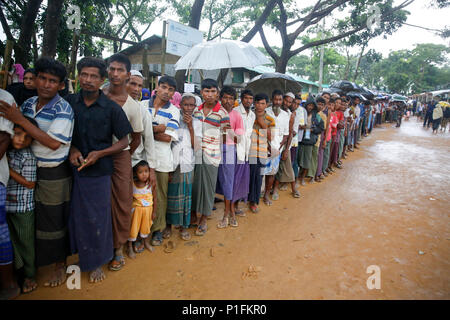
x=134, y=13
x=409, y=71
x=353, y=26
x=51, y=28
x=23, y=15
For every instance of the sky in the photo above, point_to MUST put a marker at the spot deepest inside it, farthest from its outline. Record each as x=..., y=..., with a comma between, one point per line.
x=404, y=38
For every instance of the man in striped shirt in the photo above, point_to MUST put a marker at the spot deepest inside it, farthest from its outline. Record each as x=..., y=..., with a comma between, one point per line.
x=51, y=146
x=215, y=122
x=166, y=121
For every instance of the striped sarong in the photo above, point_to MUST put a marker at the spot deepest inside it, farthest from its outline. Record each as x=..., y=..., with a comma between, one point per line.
x=203, y=187
x=21, y=227
x=6, y=250
x=52, y=207
x=179, y=198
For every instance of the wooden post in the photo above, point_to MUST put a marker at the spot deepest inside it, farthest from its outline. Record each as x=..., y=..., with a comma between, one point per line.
x=163, y=49
x=145, y=67
x=7, y=62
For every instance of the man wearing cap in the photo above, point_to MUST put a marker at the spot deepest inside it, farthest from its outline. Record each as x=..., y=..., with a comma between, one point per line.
x=135, y=84
x=278, y=143
x=146, y=149
x=285, y=172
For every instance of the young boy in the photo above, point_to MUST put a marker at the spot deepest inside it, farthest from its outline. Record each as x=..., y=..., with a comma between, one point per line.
x=20, y=204
x=259, y=149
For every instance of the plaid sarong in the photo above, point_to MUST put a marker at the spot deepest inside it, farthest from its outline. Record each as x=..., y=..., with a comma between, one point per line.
x=179, y=198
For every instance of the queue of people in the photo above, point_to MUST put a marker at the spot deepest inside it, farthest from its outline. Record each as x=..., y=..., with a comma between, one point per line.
x=101, y=174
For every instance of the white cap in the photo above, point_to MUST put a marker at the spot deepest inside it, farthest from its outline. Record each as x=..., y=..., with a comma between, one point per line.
x=290, y=94
x=136, y=73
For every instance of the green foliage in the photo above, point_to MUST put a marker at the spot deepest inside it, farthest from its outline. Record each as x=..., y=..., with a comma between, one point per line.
x=414, y=71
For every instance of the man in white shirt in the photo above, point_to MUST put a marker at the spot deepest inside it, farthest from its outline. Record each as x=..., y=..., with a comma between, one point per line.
x=8, y=287
x=166, y=121
x=119, y=68
x=242, y=173
x=285, y=172
x=278, y=143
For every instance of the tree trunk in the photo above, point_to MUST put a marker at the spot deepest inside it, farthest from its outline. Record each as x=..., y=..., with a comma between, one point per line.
x=51, y=28
x=359, y=62
x=281, y=64
x=22, y=47
x=35, y=46
x=196, y=13
x=194, y=22
x=347, y=66
x=73, y=55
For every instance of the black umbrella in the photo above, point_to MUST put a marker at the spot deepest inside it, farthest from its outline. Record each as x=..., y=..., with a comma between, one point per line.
x=331, y=90
x=367, y=93
x=267, y=82
x=346, y=86
x=355, y=94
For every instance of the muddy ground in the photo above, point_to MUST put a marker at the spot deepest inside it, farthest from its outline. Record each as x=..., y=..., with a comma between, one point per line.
x=388, y=207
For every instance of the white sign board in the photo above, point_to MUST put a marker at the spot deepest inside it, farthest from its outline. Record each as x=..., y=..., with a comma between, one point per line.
x=181, y=38
x=189, y=87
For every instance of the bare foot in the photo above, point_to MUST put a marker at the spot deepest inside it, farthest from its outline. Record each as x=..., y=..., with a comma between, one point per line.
x=267, y=200
x=130, y=251
x=57, y=278
x=147, y=245
x=97, y=275
x=29, y=285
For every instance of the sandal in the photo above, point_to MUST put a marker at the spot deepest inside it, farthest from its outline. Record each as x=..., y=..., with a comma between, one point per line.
x=138, y=246
x=185, y=235
x=117, y=263
x=254, y=209
x=157, y=238
x=240, y=213
x=167, y=233
x=267, y=202
x=223, y=223
x=275, y=196
x=233, y=222
x=296, y=194
x=201, y=230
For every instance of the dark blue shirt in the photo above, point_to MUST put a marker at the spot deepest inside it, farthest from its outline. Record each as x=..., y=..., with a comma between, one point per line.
x=94, y=127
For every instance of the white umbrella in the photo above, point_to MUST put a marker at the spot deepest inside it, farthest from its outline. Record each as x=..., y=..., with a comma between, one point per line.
x=225, y=54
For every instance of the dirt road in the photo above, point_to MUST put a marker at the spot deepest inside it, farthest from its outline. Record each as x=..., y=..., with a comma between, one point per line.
x=378, y=211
